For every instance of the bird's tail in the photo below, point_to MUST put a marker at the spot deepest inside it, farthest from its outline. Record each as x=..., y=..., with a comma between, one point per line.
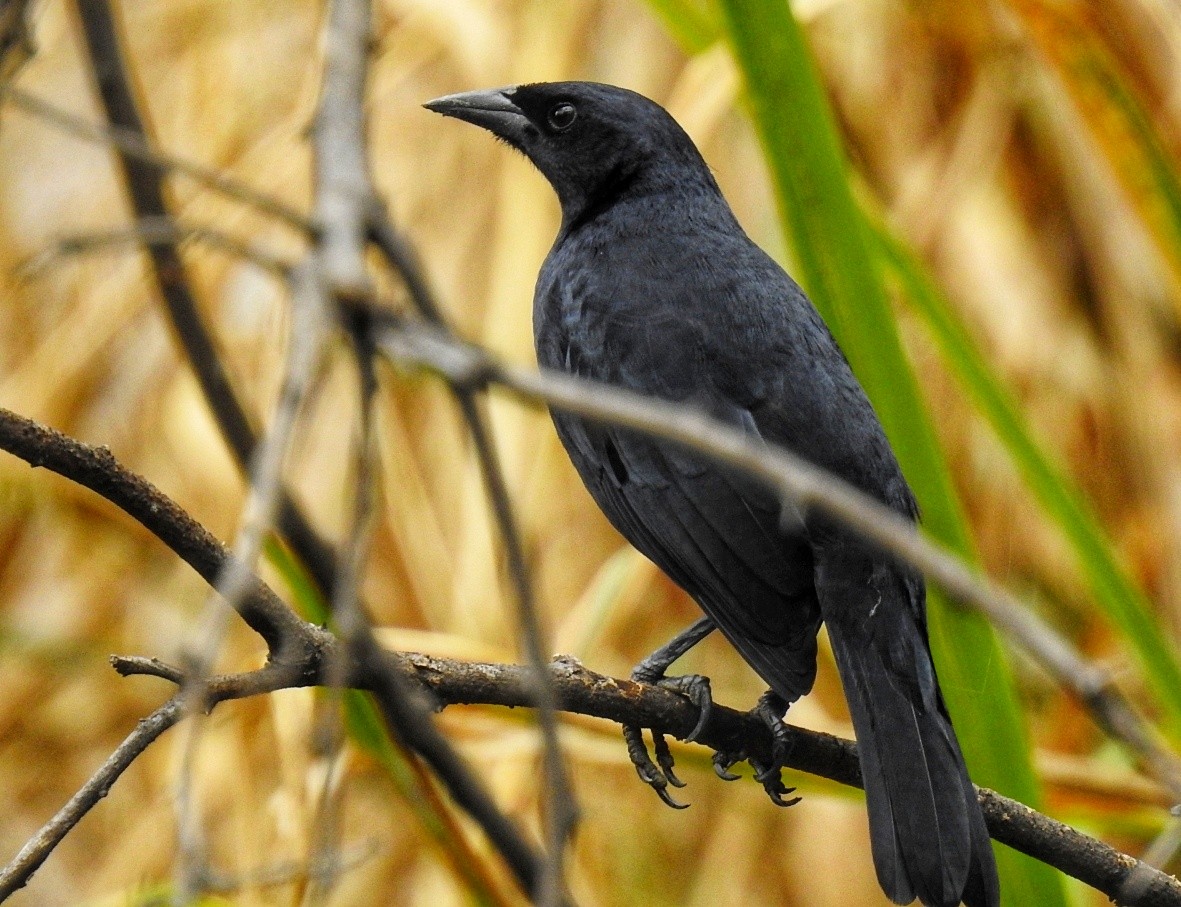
x=926, y=828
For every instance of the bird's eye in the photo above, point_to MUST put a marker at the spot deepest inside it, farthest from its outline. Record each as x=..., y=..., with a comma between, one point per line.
x=562, y=115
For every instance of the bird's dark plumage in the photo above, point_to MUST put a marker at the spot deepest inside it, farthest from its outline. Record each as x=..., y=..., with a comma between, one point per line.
x=652, y=285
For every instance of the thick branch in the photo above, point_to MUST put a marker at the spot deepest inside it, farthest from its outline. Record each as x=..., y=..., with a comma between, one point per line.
x=342, y=178
x=1122, y=878
x=287, y=637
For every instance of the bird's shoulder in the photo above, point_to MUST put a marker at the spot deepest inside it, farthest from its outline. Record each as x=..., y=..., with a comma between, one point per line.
x=682, y=293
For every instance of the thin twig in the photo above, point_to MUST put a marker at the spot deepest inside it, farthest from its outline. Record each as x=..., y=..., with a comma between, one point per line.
x=803, y=486
x=152, y=231
x=17, y=873
x=1164, y=847
x=289, y=871
x=561, y=807
x=400, y=256
x=307, y=345
x=346, y=610
x=131, y=143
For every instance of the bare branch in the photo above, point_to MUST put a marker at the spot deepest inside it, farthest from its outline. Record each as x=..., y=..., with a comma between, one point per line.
x=127, y=135
x=288, y=638
x=400, y=256
x=342, y=180
x=133, y=665
x=348, y=619
x=17, y=873
x=144, y=172
x=288, y=871
x=296, y=647
x=306, y=348
x=1121, y=877
x=306, y=345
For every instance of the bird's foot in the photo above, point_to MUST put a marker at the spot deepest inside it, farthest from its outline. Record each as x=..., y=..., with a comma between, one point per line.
x=659, y=775
x=694, y=687
x=770, y=710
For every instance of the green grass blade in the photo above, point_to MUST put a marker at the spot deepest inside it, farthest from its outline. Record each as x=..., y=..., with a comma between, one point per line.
x=839, y=269
x=1115, y=592
x=693, y=24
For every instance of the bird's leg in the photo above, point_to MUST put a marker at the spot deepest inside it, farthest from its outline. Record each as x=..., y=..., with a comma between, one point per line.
x=770, y=709
x=660, y=775
x=693, y=686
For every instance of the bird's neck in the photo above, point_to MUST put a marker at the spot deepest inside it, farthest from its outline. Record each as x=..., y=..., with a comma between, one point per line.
x=638, y=198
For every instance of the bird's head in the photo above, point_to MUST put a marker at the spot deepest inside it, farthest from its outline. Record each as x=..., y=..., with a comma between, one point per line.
x=593, y=142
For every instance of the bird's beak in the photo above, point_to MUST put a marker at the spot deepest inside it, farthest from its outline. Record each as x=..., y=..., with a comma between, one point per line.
x=491, y=109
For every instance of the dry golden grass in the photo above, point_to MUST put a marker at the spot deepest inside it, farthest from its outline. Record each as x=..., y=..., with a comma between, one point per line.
x=958, y=122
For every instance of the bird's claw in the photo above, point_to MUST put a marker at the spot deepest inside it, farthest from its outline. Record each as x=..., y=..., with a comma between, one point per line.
x=660, y=775
x=722, y=763
x=657, y=777
x=695, y=688
x=664, y=758
x=769, y=710
x=769, y=777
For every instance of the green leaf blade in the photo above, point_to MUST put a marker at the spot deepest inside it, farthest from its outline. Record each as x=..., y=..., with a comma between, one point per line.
x=839, y=269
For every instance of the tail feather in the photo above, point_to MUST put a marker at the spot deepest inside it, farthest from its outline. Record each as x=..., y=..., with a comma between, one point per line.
x=926, y=828
x=983, y=888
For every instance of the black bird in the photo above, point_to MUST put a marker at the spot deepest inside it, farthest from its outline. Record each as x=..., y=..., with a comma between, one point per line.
x=652, y=285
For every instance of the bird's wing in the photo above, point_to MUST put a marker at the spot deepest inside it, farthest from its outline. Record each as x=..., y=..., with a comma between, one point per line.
x=714, y=531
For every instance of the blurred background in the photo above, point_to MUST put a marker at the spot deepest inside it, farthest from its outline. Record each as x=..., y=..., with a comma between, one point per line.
x=1019, y=159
